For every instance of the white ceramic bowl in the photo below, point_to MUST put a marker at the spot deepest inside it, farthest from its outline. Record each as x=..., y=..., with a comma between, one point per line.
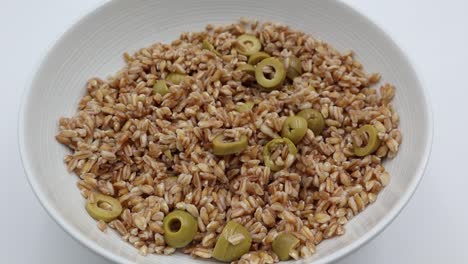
x=94, y=47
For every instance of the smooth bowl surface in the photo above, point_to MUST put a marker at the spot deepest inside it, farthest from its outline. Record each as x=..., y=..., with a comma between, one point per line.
x=94, y=47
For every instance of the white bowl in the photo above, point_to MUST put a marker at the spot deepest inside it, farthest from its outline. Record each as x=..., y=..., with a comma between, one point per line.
x=94, y=47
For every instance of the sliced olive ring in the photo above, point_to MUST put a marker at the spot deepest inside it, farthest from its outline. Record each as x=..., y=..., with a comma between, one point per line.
x=245, y=107
x=222, y=148
x=294, y=128
x=233, y=242
x=160, y=87
x=290, y=87
x=175, y=78
x=180, y=228
x=272, y=144
x=257, y=57
x=278, y=77
x=293, y=67
x=373, y=141
x=168, y=154
x=283, y=244
x=170, y=181
x=248, y=44
x=315, y=120
x=247, y=68
x=104, y=208
x=208, y=46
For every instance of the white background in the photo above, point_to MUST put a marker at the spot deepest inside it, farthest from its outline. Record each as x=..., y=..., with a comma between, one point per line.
x=433, y=228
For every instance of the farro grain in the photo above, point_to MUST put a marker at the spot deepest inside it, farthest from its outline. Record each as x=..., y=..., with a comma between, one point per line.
x=102, y=225
x=202, y=252
x=322, y=218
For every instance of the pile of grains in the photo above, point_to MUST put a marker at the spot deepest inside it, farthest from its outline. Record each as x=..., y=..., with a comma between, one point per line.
x=127, y=142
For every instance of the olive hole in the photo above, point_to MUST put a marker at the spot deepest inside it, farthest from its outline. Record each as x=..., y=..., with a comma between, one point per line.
x=365, y=138
x=228, y=139
x=362, y=139
x=248, y=44
x=174, y=225
x=104, y=205
x=284, y=151
x=280, y=150
x=269, y=72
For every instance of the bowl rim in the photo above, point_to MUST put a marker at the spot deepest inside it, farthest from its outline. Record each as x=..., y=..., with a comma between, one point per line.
x=97, y=249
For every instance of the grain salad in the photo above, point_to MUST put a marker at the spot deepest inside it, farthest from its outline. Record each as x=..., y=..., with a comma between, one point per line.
x=245, y=143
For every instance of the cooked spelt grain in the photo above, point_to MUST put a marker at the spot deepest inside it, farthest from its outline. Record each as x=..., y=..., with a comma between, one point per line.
x=202, y=252
x=102, y=225
x=127, y=142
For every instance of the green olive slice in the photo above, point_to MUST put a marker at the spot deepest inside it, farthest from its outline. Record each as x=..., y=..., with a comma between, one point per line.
x=221, y=147
x=290, y=87
x=293, y=67
x=315, y=120
x=294, y=128
x=168, y=154
x=257, y=57
x=248, y=44
x=104, y=208
x=208, y=46
x=278, y=76
x=180, y=228
x=373, y=141
x=244, y=107
x=272, y=144
x=170, y=181
x=234, y=241
x=160, y=87
x=246, y=68
x=175, y=78
x=283, y=244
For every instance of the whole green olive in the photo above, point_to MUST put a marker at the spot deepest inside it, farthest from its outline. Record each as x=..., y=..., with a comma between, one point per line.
x=233, y=242
x=294, y=128
x=180, y=228
x=104, y=208
x=315, y=120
